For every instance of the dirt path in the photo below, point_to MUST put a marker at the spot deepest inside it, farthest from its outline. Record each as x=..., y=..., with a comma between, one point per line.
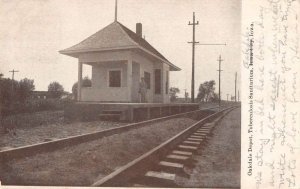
x=83, y=164
x=219, y=164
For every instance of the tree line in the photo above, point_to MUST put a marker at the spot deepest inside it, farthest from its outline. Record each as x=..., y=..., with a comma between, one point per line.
x=16, y=95
x=206, y=92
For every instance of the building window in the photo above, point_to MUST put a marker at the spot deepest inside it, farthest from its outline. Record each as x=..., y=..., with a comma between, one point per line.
x=147, y=79
x=115, y=78
x=167, y=82
x=157, y=81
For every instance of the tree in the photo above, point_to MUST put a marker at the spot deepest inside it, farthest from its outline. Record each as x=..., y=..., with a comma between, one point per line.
x=206, y=91
x=86, y=82
x=173, y=93
x=55, y=89
x=25, y=88
x=215, y=97
x=6, y=91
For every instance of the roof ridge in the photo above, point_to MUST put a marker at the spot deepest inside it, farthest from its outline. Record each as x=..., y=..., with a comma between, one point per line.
x=94, y=34
x=121, y=26
x=142, y=40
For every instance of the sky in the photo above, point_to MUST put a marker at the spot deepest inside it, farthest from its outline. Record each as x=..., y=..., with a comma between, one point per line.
x=33, y=31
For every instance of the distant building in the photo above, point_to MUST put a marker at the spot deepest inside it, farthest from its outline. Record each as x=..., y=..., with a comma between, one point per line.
x=40, y=95
x=120, y=58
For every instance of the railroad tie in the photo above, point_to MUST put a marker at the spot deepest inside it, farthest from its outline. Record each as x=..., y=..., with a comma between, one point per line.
x=191, y=142
x=182, y=152
x=161, y=175
x=171, y=164
x=204, y=130
x=208, y=124
x=186, y=147
x=206, y=127
x=177, y=157
x=197, y=136
x=195, y=139
x=155, y=178
x=140, y=186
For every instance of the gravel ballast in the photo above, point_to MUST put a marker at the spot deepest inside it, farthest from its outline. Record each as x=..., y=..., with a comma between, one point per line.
x=31, y=135
x=83, y=164
x=218, y=164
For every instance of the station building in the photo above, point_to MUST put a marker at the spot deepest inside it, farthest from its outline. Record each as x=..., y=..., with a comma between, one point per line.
x=120, y=58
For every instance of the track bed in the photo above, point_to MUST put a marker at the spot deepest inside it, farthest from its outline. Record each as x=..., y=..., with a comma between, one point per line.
x=83, y=164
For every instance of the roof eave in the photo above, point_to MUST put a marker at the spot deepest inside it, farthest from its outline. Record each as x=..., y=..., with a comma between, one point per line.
x=173, y=67
x=75, y=54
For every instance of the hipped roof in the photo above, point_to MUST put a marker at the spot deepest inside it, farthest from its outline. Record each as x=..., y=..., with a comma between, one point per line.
x=115, y=36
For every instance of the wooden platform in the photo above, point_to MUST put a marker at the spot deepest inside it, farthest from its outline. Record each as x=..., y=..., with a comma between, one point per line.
x=130, y=112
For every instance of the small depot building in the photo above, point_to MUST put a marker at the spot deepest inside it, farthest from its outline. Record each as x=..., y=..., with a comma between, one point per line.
x=120, y=58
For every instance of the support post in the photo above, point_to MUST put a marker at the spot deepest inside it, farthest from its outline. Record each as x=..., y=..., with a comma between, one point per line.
x=79, y=81
x=129, y=79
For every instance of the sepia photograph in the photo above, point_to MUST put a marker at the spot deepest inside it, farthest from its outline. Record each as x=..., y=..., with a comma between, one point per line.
x=120, y=93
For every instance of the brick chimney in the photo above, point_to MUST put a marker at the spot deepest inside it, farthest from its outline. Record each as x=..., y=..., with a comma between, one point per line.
x=139, y=29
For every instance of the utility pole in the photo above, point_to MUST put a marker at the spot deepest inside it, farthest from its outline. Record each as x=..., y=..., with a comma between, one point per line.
x=235, y=86
x=13, y=77
x=238, y=96
x=194, y=23
x=193, y=57
x=219, y=70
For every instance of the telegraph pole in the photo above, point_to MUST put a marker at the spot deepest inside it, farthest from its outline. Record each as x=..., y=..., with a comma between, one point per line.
x=235, y=86
x=219, y=70
x=13, y=77
x=194, y=23
x=193, y=57
x=238, y=96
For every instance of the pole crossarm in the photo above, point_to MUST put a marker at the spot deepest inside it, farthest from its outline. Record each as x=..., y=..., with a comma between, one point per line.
x=13, y=73
x=224, y=44
x=193, y=23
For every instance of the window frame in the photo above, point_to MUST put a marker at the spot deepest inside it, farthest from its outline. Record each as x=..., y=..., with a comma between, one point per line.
x=158, y=90
x=148, y=86
x=108, y=77
x=167, y=82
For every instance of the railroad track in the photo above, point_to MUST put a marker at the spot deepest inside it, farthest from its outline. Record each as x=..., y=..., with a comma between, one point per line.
x=159, y=166
x=30, y=150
